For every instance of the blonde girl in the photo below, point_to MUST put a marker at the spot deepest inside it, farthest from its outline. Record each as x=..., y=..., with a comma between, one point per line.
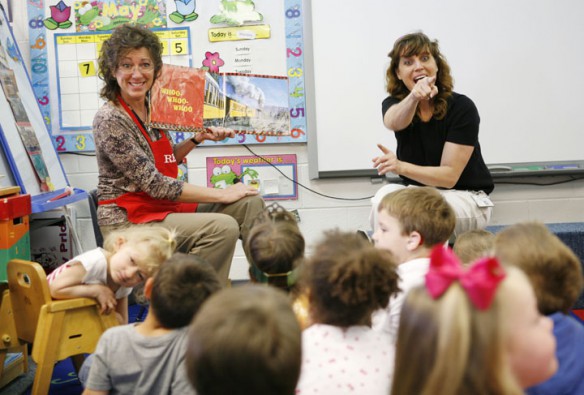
x=108, y=274
x=475, y=331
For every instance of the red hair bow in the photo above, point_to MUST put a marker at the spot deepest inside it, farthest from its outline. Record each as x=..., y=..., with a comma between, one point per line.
x=479, y=281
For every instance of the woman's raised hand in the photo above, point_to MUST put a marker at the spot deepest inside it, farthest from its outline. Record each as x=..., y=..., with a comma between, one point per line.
x=387, y=162
x=425, y=88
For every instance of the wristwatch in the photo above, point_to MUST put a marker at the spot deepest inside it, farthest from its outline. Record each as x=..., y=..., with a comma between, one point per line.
x=194, y=140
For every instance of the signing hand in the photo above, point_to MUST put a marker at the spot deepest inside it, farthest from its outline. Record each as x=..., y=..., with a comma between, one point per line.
x=215, y=133
x=387, y=162
x=425, y=88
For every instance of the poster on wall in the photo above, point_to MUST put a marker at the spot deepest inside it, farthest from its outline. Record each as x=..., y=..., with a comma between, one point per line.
x=275, y=176
x=241, y=37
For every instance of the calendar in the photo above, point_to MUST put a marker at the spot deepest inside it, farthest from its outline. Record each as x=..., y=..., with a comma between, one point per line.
x=77, y=81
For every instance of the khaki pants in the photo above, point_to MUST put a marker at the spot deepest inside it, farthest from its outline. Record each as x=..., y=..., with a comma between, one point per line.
x=468, y=214
x=213, y=230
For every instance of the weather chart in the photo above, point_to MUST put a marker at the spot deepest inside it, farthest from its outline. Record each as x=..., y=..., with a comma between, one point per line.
x=236, y=37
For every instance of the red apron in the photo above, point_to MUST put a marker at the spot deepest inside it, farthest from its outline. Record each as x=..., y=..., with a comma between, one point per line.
x=140, y=206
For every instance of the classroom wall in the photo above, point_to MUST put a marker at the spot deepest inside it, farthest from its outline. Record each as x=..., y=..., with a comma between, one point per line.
x=513, y=203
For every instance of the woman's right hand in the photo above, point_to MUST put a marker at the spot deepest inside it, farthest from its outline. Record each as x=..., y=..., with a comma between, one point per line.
x=425, y=88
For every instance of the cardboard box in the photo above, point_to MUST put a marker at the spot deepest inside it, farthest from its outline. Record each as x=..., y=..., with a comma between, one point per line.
x=51, y=245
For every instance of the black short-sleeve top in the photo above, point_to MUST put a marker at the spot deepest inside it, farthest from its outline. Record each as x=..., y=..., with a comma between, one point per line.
x=421, y=143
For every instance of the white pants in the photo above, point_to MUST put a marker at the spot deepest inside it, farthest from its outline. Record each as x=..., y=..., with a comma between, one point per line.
x=468, y=214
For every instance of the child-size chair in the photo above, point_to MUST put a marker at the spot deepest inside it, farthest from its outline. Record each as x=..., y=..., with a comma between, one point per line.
x=9, y=343
x=57, y=329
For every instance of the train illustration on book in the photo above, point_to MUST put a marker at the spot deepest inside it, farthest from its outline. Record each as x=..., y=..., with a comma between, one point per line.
x=189, y=100
x=220, y=109
x=235, y=101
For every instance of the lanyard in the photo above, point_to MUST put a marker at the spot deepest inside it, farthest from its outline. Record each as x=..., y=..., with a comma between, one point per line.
x=135, y=118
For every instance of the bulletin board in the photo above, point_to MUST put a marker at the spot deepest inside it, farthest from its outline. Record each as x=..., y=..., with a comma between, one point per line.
x=262, y=37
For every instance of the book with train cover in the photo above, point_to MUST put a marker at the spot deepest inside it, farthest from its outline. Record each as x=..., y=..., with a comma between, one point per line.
x=189, y=100
x=176, y=99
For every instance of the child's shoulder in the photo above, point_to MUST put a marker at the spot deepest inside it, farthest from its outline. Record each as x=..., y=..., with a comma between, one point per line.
x=91, y=258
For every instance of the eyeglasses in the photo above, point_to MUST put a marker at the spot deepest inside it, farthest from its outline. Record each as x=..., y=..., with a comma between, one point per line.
x=128, y=68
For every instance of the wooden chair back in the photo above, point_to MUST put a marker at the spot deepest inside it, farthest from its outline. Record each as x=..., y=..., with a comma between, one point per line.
x=57, y=328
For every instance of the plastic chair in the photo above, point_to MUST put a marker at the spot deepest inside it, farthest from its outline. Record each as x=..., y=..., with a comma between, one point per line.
x=57, y=329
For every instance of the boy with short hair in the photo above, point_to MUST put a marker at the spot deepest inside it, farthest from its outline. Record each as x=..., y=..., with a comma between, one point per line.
x=555, y=273
x=474, y=244
x=148, y=357
x=411, y=221
x=245, y=341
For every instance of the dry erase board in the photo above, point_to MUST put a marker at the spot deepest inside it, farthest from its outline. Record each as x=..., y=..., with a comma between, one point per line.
x=519, y=61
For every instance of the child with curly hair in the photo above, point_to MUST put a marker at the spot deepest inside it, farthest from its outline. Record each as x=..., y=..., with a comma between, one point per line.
x=347, y=279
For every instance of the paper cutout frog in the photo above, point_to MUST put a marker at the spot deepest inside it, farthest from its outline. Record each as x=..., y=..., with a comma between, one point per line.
x=223, y=176
x=236, y=13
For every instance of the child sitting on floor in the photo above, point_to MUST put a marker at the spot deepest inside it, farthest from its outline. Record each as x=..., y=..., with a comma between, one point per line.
x=245, y=341
x=472, y=331
x=276, y=250
x=108, y=274
x=411, y=222
x=347, y=278
x=555, y=273
x=149, y=357
x=474, y=244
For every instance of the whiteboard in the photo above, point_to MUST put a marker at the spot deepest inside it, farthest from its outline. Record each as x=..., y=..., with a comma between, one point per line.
x=519, y=61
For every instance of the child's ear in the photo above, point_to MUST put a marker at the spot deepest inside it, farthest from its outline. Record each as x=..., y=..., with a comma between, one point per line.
x=148, y=287
x=415, y=240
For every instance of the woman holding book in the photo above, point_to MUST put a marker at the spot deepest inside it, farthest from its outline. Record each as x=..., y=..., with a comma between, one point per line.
x=437, y=133
x=138, y=165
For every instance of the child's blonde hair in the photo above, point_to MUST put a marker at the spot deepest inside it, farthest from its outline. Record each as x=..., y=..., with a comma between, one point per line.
x=155, y=243
x=553, y=269
x=457, y=348
x=423, y=210
x=474, y=244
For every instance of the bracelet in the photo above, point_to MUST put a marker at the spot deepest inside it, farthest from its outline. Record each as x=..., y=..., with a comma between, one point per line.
x=195, y=142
